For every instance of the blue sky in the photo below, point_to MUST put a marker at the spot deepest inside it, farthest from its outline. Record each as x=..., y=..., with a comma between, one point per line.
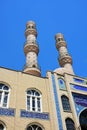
x=51, y=16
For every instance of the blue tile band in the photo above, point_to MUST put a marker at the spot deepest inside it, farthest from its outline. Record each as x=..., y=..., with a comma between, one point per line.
x=7, y=112
x=57, y=104
x=78, y=87
x=27, y=114
x=78, y=80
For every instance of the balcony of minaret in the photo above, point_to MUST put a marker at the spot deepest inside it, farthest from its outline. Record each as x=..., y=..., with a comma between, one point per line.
x=31, y=46
x=33, y=69
x=66, y=59
x=30, y=29
x=60, y=41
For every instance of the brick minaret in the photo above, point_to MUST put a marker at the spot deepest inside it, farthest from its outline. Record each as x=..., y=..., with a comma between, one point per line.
x=65, y=60
x=31, y=50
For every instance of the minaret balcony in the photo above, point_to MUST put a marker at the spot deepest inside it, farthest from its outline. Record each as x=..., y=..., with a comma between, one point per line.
x=32, y=66
x=34, y=70
x=60, y=44
x=65, y=60
x=30, y=31
x=31, y=46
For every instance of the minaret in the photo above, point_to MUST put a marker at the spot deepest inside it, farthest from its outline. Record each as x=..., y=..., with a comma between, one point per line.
x=65, y=60
x=31, y=50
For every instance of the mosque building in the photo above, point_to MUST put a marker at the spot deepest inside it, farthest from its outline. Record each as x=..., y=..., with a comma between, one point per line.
x=29, y=101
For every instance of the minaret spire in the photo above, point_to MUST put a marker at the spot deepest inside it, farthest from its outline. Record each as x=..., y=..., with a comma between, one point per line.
x=31, y=50
x=65, y=60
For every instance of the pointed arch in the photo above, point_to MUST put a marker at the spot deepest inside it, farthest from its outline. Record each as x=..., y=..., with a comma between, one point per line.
x=34, y=126
x=83, y=119
x=70, y=124
x=65, y=103
x=2, y=125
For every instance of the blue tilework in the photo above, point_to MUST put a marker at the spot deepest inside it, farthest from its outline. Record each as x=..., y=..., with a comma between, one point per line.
x=80, y=102
x=61, y=84
x=78, y=87
x=57, y=104
x=7, y=112
x=78, y=80
x=27, y=114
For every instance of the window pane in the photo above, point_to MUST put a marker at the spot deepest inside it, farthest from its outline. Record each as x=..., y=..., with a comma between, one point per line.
x=38, y=104
x=29, y=128
x=37, y=94
x=34, y=127
x=39, y=128
x=6, y=88
x=1, y=85
x=33, y=92
x=33, y=103
x=70, y=124
x=65, y=103
x=28, y=102
x=0, y=97
x=29, y=92
x=5, y=99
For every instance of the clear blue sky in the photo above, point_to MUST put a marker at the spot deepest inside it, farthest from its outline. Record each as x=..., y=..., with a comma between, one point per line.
x=51, y=16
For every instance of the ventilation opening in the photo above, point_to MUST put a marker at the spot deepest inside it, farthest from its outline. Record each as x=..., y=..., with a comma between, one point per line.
x=34, y=66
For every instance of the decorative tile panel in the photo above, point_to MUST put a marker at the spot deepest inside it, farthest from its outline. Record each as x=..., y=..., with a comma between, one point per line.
x=82, y=81
x=61, y=84
x=57, y=104
x=80, y=102
x=78, y=87
x=27, y=114
x=7, y=112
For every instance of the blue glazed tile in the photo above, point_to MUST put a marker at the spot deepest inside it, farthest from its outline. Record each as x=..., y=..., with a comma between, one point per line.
x=61, y=84
x=7, y=112
x=80, y=102
x=78, y=87
x=26, y=114
x=78, y=80
x=57, y=104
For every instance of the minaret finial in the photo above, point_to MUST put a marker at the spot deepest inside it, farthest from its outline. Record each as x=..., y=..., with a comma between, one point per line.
x=65, y=60
x=31, y=50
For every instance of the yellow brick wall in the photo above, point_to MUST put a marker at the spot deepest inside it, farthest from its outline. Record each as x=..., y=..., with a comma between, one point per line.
x=19, y=82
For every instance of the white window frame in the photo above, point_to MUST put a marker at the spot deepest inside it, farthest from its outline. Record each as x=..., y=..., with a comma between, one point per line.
x=36, y=127
x=3, y=95
x=36, y=97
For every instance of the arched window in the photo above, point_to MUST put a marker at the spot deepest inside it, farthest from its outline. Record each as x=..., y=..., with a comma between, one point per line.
x=83, y=119
x=34, y=101
x=34, y=127
x=65, y=103
x=4, y=93
x=61, y=83
x=2, y=126
x=70, y=124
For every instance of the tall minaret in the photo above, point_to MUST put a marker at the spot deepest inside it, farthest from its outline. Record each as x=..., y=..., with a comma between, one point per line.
x=65, y=60
x=31, y=50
